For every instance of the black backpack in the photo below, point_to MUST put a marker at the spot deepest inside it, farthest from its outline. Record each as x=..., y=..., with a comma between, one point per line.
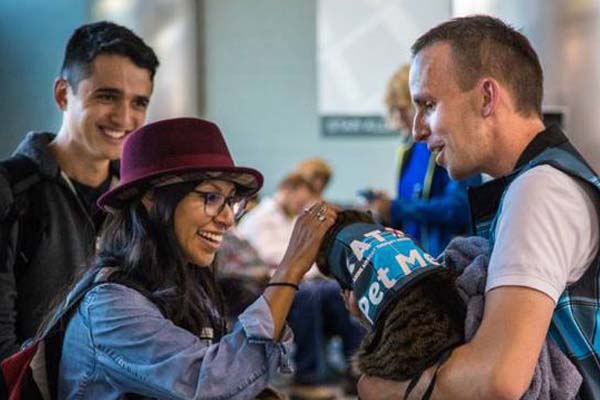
x=22, y=174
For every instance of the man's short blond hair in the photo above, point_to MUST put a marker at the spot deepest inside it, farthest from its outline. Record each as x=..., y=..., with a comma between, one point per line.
x=295, y=180
x=485, y=46
x=312, y=167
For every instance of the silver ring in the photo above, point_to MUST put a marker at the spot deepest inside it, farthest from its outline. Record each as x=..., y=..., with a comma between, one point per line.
x=322, y=209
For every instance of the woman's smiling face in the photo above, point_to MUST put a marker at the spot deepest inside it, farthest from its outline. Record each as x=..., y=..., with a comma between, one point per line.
x=199, y=235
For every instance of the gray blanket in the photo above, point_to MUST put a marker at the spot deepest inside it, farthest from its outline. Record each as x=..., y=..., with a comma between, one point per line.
x=555, y=376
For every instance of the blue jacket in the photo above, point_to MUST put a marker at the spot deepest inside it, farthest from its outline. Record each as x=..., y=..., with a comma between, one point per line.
x=430, y=207
x=118, y=342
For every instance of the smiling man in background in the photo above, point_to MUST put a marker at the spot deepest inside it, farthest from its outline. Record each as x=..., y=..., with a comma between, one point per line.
x=49, y=187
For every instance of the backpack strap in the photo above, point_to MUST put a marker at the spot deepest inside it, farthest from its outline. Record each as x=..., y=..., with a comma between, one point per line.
x=53, y=336
x=41, y=357
x=443, y=357
x=90, y=279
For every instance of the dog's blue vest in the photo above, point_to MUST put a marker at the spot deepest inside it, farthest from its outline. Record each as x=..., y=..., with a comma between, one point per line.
x=377, y=263
x=575, y=322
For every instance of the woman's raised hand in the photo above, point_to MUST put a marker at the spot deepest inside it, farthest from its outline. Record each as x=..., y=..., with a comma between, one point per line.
x=302, y=250
x=307, y=236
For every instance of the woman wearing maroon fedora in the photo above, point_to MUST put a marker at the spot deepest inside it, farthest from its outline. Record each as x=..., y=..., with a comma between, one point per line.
x=149, y=322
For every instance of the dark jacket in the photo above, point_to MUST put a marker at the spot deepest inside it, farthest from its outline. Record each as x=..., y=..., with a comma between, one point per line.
x=66, y=236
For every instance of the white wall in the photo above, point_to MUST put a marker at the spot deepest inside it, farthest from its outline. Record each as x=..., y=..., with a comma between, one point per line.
x=260, y=86
x=34, y=34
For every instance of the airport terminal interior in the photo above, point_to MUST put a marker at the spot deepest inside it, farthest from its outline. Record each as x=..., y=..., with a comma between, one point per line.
x=327, y=101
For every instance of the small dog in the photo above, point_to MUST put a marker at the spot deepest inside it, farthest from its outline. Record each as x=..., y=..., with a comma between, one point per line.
x=409, y=299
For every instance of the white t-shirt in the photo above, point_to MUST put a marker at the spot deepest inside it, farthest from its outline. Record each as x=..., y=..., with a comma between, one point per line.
x=546, y=234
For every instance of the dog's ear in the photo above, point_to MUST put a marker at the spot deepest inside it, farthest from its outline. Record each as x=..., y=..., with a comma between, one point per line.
x=354, y=216
x=344, y=218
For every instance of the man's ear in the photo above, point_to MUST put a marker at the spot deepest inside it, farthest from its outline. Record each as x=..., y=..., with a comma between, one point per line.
x=490, y=91
x=148, y=200
x=61, y=89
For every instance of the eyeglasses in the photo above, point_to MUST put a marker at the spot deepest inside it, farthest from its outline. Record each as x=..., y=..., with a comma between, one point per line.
x=214, y=202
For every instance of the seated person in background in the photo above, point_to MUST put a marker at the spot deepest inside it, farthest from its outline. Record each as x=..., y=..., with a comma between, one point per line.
x=269, y=225
x=317, y=172
x=318, y=310
x=151, y=322
x=429, y=206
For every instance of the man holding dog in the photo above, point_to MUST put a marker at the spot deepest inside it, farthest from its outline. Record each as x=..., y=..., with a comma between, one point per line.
x=477, y=86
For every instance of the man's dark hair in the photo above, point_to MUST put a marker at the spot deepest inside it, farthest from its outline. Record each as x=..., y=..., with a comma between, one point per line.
x=486, y=46
x=91, y=40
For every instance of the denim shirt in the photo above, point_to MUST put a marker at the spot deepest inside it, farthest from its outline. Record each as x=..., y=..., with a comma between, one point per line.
x=118, y=342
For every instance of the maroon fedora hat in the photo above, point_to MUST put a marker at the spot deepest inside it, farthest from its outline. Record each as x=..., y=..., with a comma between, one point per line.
x=173, y=151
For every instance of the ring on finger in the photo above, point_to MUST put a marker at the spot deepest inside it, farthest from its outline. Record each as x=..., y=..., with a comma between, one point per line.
x=321, y=210
x=312, y=208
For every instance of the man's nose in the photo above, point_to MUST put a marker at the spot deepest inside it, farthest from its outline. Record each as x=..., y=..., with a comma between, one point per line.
x=420, y=129
x=124, y=116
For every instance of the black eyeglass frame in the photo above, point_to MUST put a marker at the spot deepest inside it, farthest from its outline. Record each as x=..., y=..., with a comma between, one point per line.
x=231, y=201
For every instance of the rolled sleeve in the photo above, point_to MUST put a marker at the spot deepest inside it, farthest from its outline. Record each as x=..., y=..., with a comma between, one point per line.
x=257, y=323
